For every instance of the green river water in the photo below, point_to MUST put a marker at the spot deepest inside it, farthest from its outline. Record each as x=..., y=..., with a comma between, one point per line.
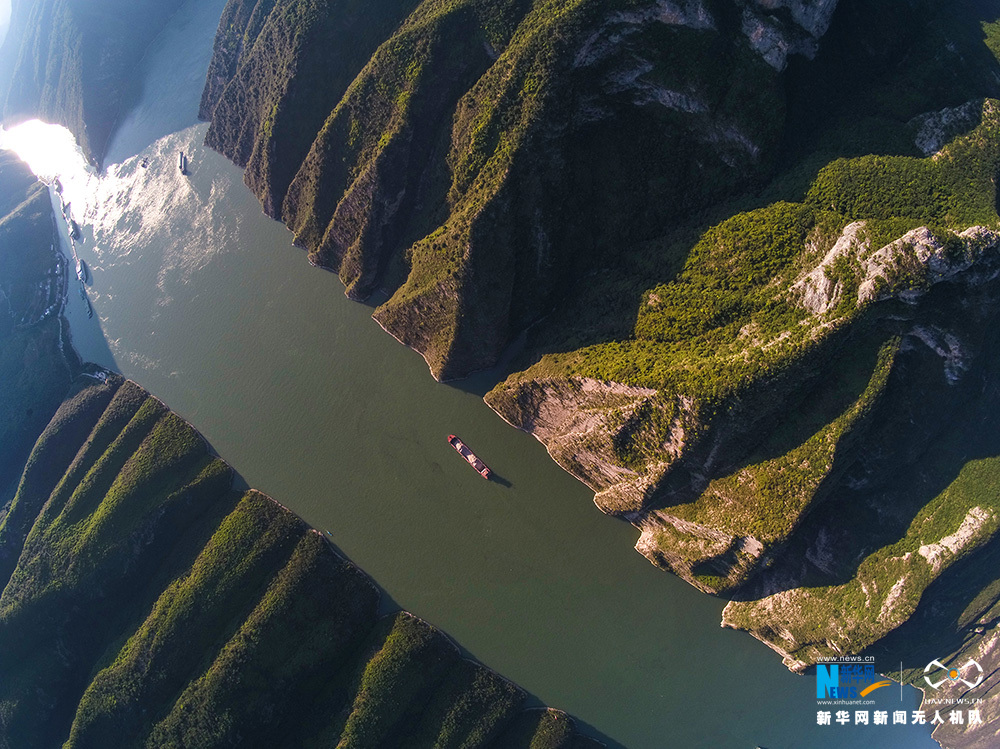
x=205, y=302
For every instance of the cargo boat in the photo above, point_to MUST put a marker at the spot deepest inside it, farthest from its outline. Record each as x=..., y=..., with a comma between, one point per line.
x=465, y=452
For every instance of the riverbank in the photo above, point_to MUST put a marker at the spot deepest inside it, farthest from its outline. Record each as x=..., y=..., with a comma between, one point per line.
x=164, y=495
x=310, y=402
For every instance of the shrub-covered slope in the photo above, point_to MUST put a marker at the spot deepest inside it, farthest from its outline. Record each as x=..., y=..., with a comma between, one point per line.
x=480, y=159
x=799, y=415
x=145, y=603
x=73, y=63
x=756, y=246
x=453, y=138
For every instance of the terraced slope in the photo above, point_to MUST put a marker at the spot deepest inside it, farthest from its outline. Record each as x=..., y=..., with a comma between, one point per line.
x=145, y=603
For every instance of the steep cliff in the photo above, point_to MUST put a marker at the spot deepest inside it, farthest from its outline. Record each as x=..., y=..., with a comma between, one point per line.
x=480, y=160
x=73, y=63
x=33, y=355
x=755, y=246
x=802, y=417
x=435, y=163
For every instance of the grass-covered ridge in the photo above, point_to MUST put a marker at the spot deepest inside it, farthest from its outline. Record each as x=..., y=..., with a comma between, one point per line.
x=436, y=171
x=147, y=604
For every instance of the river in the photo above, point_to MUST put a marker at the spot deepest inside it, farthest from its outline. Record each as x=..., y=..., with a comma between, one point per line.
x=205, y=302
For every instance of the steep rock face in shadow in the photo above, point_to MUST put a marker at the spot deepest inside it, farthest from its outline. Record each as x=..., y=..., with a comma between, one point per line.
x=438, y=159
x=278, y=68
x=35, y=361
x=74, y=63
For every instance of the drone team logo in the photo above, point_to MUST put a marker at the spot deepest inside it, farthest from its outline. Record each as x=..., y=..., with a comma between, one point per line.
x=936, y=674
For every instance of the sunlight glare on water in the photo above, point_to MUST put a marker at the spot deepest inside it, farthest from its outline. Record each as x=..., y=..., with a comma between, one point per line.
x=51, y=152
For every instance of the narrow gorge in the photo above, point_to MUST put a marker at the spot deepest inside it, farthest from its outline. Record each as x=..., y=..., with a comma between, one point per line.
x=145, y=601
x=737, y=263
x=754, y=246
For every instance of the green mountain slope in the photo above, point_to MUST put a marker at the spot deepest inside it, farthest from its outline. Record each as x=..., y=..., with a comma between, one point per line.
x=33, y=354
x=755, y=251
x=436, y=167
x=146, y=604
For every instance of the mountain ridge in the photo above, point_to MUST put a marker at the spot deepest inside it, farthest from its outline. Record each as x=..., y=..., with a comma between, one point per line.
x=739, y=236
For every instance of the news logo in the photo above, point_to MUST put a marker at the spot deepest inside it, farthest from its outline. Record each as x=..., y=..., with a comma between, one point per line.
x=847, y=681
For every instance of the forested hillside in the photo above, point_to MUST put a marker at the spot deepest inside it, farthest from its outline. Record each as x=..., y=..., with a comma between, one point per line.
x=146, y=603
x=754, y=247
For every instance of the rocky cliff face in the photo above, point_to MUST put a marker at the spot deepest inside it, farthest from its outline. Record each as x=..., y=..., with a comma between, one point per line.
x=815, y=443
x=449, y=141
x=779, y=28
x=435, y=160
x=74, y=63
x=757, y=246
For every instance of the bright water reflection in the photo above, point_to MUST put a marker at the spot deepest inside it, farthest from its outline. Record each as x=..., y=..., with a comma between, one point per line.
x=52, y=152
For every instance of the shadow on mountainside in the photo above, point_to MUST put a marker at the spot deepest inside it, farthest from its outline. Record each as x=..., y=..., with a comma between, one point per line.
x=922, y=441
x=877, y=69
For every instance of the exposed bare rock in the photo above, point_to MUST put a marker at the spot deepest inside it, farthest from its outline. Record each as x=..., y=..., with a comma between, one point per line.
x=679, y=545
x=904, y=268
x=935, y=129
x=942, y=551
x=607, y=39
x=813, y=16
x=818, y=291
x=806, y=624
x=946, y=345
x=775, y=40
x=767, y=39
x=919, y=259
x=573, y=419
